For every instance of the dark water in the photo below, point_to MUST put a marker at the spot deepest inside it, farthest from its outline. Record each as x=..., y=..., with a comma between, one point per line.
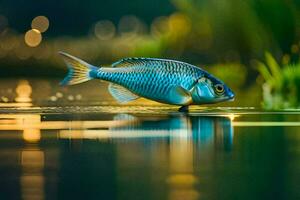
x=76, y=143
x=168, y=155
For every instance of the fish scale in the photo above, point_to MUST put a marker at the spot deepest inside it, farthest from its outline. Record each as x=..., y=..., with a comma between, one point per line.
x=153, y=78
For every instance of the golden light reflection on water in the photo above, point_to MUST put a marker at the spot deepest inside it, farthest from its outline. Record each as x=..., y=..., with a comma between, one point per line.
x=23, y=99
x=84, y=134
x=32, y=187
x=32, y=179
x=32, y=159
x=32, y=124
x=182, y=179
x=264, y=123
x=32, y=135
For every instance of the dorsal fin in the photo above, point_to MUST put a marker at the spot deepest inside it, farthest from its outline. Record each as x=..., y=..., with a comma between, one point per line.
x=130, y=62
x=121, y=94
x=126, y=62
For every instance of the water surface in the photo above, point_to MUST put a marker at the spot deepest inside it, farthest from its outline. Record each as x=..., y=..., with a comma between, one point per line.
x=149, y=156
x=55, y=144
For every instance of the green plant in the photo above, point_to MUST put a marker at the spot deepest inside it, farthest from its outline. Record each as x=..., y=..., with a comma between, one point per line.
x=281, y=87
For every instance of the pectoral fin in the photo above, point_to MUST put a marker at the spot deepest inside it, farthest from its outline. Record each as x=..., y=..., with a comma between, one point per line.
x=180, y=96
x=121, y=94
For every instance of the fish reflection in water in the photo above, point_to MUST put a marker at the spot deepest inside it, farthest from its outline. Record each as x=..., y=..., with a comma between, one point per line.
x=174, y=141
x=159, y=152
x=171, y=145
x=201, y=129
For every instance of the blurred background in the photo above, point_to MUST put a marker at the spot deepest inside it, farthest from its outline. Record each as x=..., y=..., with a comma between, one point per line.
x=253, y=45
x=76, y=142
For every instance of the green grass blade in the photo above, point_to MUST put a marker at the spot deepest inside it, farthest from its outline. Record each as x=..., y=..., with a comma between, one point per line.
x=273, y=65
x=264, y=71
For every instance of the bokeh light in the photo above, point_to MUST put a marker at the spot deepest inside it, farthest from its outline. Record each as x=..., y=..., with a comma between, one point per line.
x=33, y=37
x=104, y=30
x=130, y=25
x=179, y=24
x=286, y=59
x=40, y=23
x=23, y=91
x=295, y=48
x=159, y=26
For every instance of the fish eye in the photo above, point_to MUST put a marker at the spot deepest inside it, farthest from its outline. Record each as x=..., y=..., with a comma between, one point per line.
x=219, y=89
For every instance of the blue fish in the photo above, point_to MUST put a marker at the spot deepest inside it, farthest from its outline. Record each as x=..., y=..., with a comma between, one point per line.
x=166, y=81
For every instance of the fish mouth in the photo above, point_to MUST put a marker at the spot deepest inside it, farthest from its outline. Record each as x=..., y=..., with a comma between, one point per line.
x=231, y=97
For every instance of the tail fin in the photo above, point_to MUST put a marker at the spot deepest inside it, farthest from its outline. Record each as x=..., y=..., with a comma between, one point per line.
x=79, y=71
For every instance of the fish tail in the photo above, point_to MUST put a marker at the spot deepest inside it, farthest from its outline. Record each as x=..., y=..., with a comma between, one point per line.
x=79, y=70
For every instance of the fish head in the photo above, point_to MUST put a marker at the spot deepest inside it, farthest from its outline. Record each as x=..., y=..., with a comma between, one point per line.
x=209, y=89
